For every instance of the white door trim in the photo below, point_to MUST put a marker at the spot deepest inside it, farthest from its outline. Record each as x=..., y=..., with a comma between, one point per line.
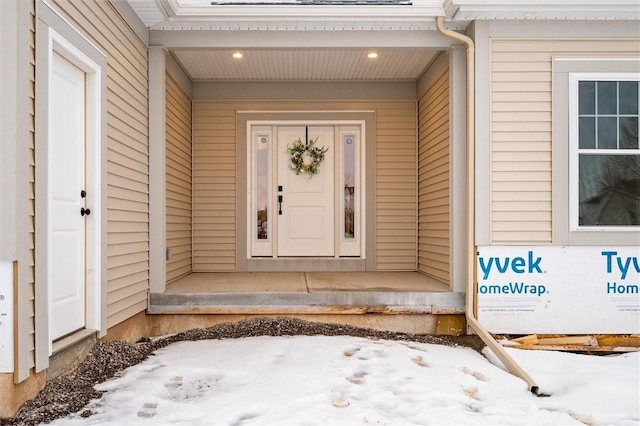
x=93, y=63
x=268, y=128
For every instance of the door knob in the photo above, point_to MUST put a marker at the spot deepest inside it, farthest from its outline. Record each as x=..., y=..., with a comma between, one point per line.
x=84, y=211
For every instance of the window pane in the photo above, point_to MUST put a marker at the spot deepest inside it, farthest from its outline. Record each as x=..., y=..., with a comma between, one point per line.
x=349, y=167
x=607, y=133
x=628, y=97
x=607, y=97
x=629, y=132
x=609, y=190
x=262, y=186
x=587, y=97
x=587, y=133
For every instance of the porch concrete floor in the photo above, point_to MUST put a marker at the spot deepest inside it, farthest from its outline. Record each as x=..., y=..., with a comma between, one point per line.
x=306, y=293
x=306, y=282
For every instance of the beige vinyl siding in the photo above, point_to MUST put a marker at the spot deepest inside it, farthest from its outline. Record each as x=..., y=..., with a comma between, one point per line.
x=178, y=172
x=521, y=132
x=214, y=187
x=396, y=206
x=127, y=153
x=214, y=179
x=433, y=181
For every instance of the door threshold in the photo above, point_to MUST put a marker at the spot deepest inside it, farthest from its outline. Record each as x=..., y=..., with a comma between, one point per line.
x=71, y=339
x=309, y=264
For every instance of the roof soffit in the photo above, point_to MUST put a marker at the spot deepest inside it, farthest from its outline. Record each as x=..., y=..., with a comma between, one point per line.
x=287, y=14
x=307, y=15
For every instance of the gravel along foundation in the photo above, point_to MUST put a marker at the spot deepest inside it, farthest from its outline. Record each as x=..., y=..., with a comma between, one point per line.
x=70, y=392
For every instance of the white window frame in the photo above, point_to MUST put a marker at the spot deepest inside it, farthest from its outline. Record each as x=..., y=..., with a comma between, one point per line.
x=256, y=247
x=349, y=246
x=575, y=151
x=562, y=67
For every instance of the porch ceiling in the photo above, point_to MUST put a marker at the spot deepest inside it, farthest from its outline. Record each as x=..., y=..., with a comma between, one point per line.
x=304, y=65
x=328, y=40
x=290, y=41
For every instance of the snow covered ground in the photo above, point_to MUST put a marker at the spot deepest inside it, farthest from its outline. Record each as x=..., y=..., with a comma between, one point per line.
x=304, y=380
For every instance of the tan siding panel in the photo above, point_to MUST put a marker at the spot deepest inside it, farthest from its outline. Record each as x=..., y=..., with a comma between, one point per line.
x=396, y=155
x=127, y=307
x=521, y=138
x=214, y=200
x=178, y=180
x=433, y=180
x=127, y=153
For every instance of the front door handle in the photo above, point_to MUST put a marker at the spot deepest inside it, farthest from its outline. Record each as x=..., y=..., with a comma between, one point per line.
x=84, y=212
x=279, y=204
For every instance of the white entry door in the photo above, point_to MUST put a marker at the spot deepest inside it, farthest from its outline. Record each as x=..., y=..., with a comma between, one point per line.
x=66, y=173
x=306, y=214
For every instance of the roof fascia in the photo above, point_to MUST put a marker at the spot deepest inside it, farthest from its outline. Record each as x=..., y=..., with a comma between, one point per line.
x=526, y=8
x=418, y=9
x=176, y=40
x=132, y=19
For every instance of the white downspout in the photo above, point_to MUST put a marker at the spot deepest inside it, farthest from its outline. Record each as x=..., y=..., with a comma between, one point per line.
x=470, y=307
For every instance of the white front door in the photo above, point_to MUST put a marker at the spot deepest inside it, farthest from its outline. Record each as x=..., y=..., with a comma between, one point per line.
x=305, y=217
x=66, y=181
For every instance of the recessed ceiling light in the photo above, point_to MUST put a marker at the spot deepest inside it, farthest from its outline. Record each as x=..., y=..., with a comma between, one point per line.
x=237, y=55
x=372, y=55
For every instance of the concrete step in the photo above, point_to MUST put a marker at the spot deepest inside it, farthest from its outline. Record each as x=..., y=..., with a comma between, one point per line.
x=291, y=303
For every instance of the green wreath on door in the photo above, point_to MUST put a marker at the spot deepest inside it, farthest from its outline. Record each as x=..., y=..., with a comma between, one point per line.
x=306, y=158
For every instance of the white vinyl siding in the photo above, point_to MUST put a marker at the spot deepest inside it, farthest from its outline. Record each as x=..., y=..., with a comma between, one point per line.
x=127, y=153
x=433, y=181
x=521, y=132
x=214, y=182
x=178, y=172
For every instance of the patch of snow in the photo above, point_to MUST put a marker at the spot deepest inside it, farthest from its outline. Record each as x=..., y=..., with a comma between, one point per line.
x=352, y=380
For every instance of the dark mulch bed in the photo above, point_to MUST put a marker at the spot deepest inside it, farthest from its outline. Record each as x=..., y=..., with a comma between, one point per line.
x=70, y=392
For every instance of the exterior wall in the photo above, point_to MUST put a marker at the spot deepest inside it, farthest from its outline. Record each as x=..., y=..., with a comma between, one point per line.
x=17, y=160
x=521, y=167
x=396, y=187
x=214, y=184
x=127, y=153
x=178, y=179
x=434, y=233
